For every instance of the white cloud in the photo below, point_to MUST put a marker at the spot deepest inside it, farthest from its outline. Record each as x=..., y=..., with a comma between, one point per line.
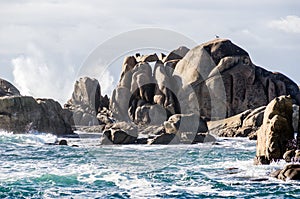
x=289, y=24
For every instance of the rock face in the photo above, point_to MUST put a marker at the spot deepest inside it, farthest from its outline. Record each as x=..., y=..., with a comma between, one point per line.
x=87, y=104
x=7, y=89
x=20, y=114
x=226, y=82
x=276, y=131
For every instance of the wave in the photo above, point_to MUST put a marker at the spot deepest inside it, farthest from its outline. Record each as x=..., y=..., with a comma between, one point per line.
x=31, y=138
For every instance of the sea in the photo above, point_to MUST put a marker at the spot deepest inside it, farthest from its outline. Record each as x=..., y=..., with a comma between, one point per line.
x=30, y=168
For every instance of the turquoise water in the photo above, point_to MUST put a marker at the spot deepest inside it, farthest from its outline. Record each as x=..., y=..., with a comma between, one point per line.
x=31, y=169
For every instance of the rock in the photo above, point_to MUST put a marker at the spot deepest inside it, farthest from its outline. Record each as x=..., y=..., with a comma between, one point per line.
x=289, y=172
x=121, y=137
x=157, y=115
x=142, y=141
x=244, y=124
x=176, y=54
x=7, y=89
x=106, y=138
x=195, y=138
x=289, y=155
x=147, y=58
x=120, y=133
x=277, y=130
x=22, y=114
x=104, y=102
x=128, y=65
x=141, y=80
x=165, y=89
x=297, y=156
x=185, y=123
x=86, y=102
x=226, y=82
x=117, y=136
x=63, y=142
x=165, y=138
x=150, y=114
x=119, y=103
x=87, y=92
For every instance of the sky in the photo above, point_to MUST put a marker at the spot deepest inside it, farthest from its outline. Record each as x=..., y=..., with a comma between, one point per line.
x=44, y=44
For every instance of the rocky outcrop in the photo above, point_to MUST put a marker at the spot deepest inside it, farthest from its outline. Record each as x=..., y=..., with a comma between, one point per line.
x=21, y=114
x=226, y=82
x=145, y=95
x=216, y=80
x=244, y=124
x=7, y=89
x=289, y=172
x=276, y=131
x=87, y=105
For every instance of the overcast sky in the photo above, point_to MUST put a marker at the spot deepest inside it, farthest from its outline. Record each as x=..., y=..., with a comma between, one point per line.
x=44, y=43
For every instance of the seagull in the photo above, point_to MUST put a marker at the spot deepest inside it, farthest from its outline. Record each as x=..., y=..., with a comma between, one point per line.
x=217, y=36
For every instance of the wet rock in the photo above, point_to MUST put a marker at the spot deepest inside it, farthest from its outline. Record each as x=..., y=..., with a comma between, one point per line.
x=289, y=172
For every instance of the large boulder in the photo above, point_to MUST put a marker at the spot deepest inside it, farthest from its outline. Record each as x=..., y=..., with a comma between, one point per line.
x=87, y=92
x=7, y=89
x=276, y=131
x=20, y=114
x=226, y=82
x=86, y=102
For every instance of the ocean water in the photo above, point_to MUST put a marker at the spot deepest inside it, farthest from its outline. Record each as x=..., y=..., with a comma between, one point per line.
x=31, y=169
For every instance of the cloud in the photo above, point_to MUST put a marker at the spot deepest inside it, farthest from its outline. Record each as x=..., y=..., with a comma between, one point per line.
x=289, y=24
